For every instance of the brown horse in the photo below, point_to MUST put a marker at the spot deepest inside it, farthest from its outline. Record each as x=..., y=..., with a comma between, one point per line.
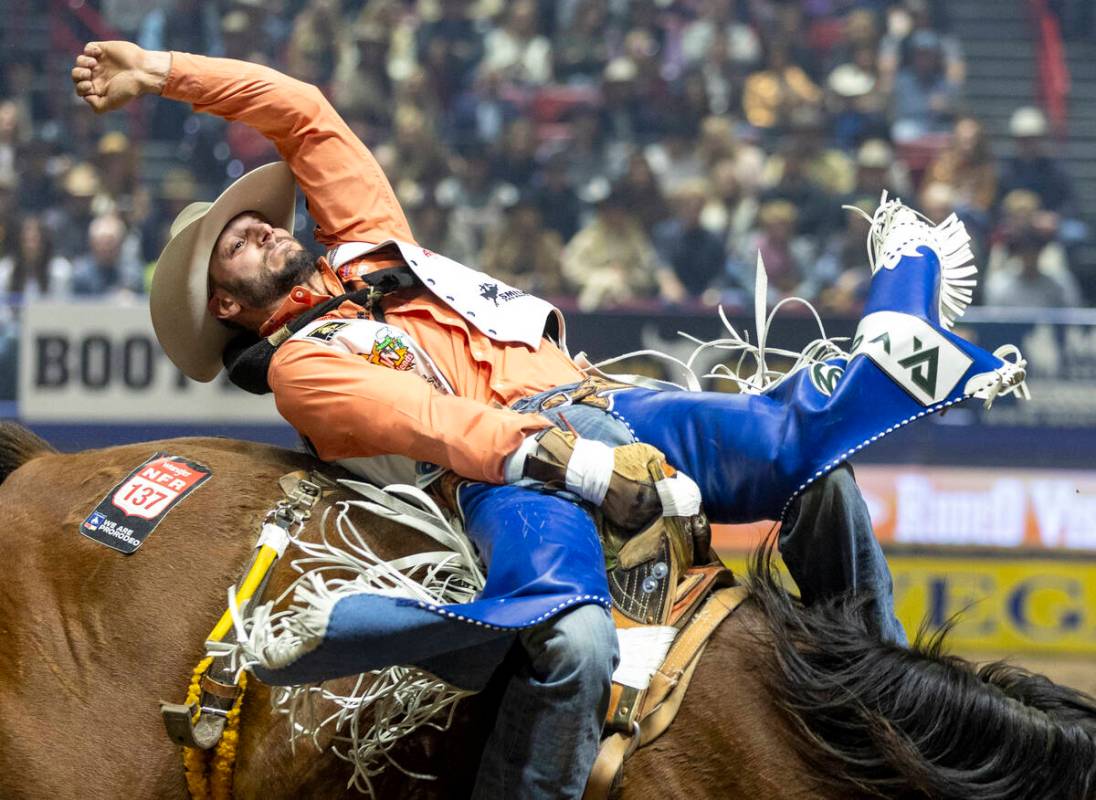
x=787, y=702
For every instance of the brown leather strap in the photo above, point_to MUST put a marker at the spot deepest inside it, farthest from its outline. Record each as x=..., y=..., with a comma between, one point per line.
x=716, y=609
x=666, y=692
x=659, y=718
x=617, y=748
x=694, y=588
x=610, y=758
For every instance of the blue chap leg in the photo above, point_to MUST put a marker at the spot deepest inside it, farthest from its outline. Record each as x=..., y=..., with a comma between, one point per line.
x=543, y=549
x=732, y=445
x=542, y=552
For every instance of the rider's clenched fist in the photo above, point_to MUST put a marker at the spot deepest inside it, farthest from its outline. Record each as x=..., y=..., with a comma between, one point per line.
x=107, y=75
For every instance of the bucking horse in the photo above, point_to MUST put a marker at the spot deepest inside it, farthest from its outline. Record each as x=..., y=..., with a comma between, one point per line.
x=788, y=701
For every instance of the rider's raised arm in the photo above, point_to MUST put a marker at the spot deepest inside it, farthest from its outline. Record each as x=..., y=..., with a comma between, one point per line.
x=348, y=193
x=350, y=408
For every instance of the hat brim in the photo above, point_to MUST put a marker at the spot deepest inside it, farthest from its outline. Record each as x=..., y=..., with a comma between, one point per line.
x=179, y=297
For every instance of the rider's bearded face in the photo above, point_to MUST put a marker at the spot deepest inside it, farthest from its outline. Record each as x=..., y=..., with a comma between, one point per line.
x=253, y=267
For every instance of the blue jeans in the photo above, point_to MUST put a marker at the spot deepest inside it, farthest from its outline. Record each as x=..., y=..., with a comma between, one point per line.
x=548, y=727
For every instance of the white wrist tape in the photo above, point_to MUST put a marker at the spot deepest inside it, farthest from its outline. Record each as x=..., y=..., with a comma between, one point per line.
x=514, y=465
x=680, y=496
x=589, y=470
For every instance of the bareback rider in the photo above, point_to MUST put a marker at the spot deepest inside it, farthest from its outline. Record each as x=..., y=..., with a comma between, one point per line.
x=455, y=371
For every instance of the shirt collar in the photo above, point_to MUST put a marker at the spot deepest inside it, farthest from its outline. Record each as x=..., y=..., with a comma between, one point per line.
x=301, y=298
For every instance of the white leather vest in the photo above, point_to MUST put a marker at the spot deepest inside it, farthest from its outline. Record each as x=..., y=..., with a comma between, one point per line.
x=386, y=346
x=497, y=310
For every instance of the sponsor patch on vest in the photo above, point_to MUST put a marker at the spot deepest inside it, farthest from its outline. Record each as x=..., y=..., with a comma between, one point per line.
x=132, y=509
x=490, y=291
x=327, y=331
x=391, y=349
x=915, y=355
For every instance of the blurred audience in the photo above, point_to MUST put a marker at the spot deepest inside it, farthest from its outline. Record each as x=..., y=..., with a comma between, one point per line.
x=611, y=260
x=877, y=171
x=1033, y=168
x=693, y=254
x=731, y=210
x=1027, y=267
x=787, y=254
x=516, y=50
x=825, y=167
x=967, y=164
x=556, y=198
x=1024, y=283
x=925, y=98
x=771, y=94
x=846, y=258
x=31, y=269
x=582, y=48
x=523, y=252
x=897, y=48
x=721, y=127
x=111, y=266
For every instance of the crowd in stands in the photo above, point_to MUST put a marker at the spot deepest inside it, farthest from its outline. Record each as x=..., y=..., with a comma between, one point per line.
x=608, y=152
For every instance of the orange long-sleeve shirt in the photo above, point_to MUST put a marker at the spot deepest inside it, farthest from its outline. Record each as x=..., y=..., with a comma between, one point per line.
x=345, y=405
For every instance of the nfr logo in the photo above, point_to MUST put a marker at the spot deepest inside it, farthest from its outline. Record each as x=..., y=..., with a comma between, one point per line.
x=95, y=521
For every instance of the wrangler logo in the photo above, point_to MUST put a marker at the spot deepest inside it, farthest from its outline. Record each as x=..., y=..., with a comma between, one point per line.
x=825, y=377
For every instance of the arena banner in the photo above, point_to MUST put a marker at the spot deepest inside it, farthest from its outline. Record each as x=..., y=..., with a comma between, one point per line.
x=102, y=364
x=1012, y=604
x=965, y=507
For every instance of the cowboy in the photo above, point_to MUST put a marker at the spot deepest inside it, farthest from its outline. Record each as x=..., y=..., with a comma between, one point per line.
x=452, y=371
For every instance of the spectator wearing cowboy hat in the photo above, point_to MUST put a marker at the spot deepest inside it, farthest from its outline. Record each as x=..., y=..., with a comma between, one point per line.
x=1034, y=168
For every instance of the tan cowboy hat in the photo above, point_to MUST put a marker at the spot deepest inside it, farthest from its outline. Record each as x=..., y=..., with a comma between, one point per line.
x=178, y=301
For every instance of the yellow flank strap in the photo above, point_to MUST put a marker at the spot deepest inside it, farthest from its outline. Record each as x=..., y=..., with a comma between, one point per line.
x=209, y=774
x=195, y=760
x=263, y=562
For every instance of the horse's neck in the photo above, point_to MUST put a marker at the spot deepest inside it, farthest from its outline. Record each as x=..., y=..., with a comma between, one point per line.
x=728, y=740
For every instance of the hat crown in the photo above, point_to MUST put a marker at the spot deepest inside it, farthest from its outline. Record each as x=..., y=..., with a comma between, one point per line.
x=190, y=214
x=1028, y=121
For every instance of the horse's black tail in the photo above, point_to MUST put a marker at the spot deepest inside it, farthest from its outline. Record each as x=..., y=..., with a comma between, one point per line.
x=18, y=446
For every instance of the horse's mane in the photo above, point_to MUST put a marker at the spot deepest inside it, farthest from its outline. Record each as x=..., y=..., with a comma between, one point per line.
x=890, y=721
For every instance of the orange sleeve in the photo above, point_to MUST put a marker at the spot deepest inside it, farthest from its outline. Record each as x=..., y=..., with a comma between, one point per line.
x=348, y=194
x=350, y=408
